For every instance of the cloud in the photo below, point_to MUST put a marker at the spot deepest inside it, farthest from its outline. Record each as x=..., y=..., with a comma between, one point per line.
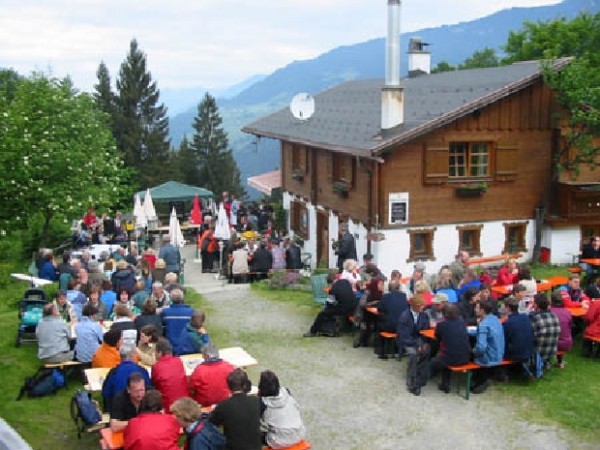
x=211, y=43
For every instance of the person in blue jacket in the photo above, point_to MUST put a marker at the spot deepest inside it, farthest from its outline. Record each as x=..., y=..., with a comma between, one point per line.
x=489, y=348
x=176, y=317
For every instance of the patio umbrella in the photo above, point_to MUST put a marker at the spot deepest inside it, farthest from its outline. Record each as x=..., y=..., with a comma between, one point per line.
x=175, y=230
x=138, y=213
x=222, y=226
x=222, y=233
x=149, y=207
x=196, y=217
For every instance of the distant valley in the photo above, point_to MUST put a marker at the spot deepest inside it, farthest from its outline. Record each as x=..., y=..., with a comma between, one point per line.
x=262, y=95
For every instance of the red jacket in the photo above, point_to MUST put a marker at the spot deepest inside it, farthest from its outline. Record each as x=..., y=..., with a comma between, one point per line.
x=592, y=318
x=505, y=278
x=152, y=431
x=208, y=383
x=168, y=376
x=568, y=302
x=212, y=243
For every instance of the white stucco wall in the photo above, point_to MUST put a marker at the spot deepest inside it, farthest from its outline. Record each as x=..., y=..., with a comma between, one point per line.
x=562, y=242
x=392, y=253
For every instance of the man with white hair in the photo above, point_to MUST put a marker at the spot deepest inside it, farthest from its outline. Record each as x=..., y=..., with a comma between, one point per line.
x=160, y=296
x=116, y=379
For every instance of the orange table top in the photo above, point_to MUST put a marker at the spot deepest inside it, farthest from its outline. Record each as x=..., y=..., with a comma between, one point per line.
x=429, y=333
x=577, y=311
x=591, y=261
x=114, y=440
x=507, y=289
x=558, y=280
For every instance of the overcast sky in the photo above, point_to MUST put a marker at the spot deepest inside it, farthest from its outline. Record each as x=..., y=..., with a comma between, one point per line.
x=208, y=43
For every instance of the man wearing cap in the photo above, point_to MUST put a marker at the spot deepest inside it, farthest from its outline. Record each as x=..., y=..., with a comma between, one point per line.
x=347, y=247
x=171, y=255
x=434, y=311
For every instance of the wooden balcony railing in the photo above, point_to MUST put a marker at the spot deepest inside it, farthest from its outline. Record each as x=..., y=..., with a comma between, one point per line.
x=576, y=201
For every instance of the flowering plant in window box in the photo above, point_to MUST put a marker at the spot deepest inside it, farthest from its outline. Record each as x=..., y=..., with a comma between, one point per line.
x=341, y=188
x=298, y=175
x=470, y=189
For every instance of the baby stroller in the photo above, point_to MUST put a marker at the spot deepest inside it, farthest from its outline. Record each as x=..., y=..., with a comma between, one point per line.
x=30, y=313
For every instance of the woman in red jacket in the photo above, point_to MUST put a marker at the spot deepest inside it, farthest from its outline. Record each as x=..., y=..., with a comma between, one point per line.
x=151, y=429
x=592, y=319
x=508, y=273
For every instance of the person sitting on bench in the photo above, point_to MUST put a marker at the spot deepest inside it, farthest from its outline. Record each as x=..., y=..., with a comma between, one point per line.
x=489, y=348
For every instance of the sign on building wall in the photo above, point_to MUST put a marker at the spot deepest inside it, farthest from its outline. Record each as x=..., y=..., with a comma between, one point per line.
x=398, y=208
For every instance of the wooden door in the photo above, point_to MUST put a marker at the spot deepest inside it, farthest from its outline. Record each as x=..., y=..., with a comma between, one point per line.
x=322, y=238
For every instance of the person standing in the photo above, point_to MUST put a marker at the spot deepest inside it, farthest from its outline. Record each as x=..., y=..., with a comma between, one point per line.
x=347, y=247
x=239, y=415
x=170, y=254
x=208, y=247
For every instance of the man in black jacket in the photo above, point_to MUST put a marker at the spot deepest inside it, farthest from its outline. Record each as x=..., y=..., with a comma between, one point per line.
x=347, y=247
x=341, y=302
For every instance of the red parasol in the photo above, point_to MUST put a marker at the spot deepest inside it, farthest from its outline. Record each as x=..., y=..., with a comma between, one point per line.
x=196, y=217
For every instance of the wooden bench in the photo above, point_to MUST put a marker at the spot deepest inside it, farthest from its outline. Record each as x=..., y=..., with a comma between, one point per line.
x=492, y=259
x=65, y=367
x=468, y=368
x=386, y=336
x=302, y=445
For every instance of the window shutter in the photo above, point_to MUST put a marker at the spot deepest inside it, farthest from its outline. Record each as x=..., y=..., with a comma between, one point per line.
x=436, y=165
x=506, y=163
x=329, y=157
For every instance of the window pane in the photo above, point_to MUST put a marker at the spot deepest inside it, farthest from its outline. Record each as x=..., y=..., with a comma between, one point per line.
x=419, y=243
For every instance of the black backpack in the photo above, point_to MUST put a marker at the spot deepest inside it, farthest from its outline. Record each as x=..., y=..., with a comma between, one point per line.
x=85, y=411
x=44, y=382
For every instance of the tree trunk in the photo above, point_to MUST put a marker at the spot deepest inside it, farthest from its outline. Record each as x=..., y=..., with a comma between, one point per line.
x=45, y=230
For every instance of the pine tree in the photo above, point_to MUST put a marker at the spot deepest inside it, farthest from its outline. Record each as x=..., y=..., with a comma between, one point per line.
x=218, y=169
x=142, y=125
x=187, y=164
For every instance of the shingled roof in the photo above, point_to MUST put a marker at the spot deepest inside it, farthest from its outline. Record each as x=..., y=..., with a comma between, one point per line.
x=347, y=117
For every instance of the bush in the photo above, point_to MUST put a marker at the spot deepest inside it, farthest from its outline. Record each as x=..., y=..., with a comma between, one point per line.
x=281, y=279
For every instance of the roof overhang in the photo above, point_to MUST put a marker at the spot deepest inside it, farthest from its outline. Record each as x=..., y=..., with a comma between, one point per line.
x=266, y=182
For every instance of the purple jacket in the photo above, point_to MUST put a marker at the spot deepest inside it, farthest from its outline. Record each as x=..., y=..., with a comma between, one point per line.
x=565, y=340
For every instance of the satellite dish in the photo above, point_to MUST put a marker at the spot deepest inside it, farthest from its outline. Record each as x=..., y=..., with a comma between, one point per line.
x=302, y=106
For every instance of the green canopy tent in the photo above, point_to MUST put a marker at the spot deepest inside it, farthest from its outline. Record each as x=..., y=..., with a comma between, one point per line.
x=172, y=191
x=176, y=195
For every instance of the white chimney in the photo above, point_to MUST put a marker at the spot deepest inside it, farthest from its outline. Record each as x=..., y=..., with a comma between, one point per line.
x=392, y=94
x=419, y=59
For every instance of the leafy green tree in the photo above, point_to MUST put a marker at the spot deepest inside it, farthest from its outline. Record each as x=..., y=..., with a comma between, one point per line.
x=577, y=85
x=480, y=59
x=57, y=156
x=9, y=80
x=218, y=169
x=141, y=122
x=443, y=66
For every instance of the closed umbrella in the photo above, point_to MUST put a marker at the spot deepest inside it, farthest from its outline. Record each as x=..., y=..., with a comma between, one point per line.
x=175, y=230
x=222, y=233
x=149, y=206
x=196, y=217
x=138, y=213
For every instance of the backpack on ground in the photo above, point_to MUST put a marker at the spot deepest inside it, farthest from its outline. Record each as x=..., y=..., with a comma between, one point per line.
x=44, y=382
x=534, y=366
x=85, y=411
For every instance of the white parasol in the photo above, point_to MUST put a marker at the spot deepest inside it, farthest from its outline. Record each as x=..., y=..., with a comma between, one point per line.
x=149, y=206
x=175, y=230
x=138, y=213
x=222, y=227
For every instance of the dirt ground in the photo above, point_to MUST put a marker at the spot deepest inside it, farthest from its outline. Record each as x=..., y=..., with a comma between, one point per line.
x=349, y=399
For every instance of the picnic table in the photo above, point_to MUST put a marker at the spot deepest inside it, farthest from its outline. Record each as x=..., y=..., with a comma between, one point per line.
x=236, y=356
x=507, y=289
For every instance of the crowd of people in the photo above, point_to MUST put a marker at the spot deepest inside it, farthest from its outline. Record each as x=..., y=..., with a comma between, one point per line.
x=471, y=321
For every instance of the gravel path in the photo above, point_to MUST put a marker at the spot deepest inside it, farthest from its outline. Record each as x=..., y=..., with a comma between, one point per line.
x=350, y=399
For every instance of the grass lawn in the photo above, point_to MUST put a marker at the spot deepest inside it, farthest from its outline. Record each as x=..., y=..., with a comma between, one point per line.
x=45, y=423
x=568, y=396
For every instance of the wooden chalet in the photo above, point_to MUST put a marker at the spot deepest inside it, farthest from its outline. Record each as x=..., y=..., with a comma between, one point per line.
x=467, y=166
